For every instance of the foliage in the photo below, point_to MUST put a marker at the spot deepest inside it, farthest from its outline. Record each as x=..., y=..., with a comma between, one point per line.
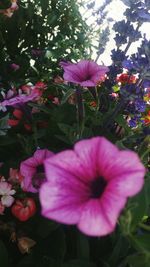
x=40, y=111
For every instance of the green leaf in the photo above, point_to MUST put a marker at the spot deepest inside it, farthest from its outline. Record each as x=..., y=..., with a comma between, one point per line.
x=139, y=207
x=44, y=5
x=138, y=260
x=122, y=122
x=142, y=243
x=120, y=249
x=116, y=88
x=51, y=18
x=69, y=131
x=67, y=95
x=4, y=260
x=40, y=107
x=4, y=125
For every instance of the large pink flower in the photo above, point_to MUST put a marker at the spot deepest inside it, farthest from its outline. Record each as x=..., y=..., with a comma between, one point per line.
x=32, y=170
x=85, y=73
x=89, y=185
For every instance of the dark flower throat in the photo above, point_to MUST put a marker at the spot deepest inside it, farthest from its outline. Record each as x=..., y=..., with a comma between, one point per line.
x=98, y=187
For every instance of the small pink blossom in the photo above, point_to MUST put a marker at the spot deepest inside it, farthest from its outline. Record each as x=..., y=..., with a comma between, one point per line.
x=89, y=185
x=41, y=85
x=86, y=73
x=56, y=101
x=32, y=170
x=6, y=193
x=15, y=67
x=9, y=11
x=36, y=52
x=15, y=176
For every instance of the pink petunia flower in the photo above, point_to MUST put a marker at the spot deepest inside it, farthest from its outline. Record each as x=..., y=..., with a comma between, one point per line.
x=89, y=185
x=6, y=193
x=33, y=170
x=85, y=73
x=21, y=99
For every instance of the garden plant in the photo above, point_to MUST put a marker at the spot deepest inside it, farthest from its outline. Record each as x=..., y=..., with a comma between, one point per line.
x=74, y=136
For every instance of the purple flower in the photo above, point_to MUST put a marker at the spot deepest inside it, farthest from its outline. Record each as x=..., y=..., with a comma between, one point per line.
x=33, y=170
x=20, y=99
x=140, y=105
x=133, y=123
x=85, y=73
x=89, y=185
x=144, y=14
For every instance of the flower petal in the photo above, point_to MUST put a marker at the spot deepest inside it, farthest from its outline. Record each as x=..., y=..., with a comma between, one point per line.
x=119, y=163
x=41, y=154
x=61, y=202
x=99, y=216
x=128, y=184
x=7, y=201
x=87, y=151
x=87, y=83
x=69, y=162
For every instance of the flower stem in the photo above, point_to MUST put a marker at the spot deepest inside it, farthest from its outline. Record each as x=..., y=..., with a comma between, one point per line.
x=130, y=41
x=145, y=153
x=114, y=114
x=80, y=112
x=144, y=226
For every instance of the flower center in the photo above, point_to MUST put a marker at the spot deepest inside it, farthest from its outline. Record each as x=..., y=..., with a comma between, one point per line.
x=86, y=77
x=40, y=168
x=98, y=187
x=38, y=177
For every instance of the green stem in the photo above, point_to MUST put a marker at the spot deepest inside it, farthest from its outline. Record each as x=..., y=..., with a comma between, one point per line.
x=80, y=112
x=144, y=226
x=145, y=153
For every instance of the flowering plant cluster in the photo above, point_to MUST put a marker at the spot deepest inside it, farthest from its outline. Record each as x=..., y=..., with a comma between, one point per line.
x=74, y=141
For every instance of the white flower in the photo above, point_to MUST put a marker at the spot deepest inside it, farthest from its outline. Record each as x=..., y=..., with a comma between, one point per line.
x=6, y=192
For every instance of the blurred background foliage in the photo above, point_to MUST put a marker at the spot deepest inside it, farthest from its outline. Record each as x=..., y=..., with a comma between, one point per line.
x=38, y=35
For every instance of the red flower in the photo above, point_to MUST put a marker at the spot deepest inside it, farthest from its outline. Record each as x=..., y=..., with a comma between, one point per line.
x=125, y=78
x=147, y=118
x=41, y=85
x=18, y=114
x=24, y=209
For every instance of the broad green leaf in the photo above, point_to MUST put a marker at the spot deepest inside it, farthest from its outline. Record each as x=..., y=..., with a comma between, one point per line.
x=139, y=207
x=138, y=260
x=141, y=243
